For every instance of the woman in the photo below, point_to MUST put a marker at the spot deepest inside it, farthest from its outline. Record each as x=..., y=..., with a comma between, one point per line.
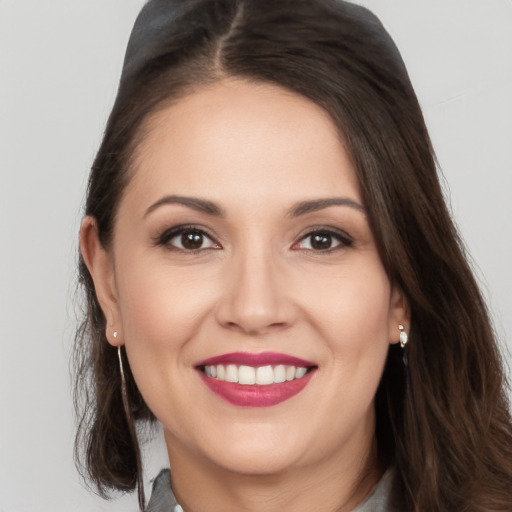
x=264, y=234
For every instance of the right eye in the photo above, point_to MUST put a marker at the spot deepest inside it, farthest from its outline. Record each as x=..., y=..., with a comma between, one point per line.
x=188, y=239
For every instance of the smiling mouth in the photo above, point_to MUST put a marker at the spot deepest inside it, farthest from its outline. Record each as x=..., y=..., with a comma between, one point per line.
x=256, y=380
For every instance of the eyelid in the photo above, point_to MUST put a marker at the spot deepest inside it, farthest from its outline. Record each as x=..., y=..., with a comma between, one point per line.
x=168, y=234
x=345, y=240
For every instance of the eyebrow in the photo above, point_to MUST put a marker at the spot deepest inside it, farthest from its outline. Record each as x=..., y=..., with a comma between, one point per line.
x=200, y=205
x=319, y=204
x=210, y=208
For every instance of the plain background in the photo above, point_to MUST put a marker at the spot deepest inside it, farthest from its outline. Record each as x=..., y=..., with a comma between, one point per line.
x=60, y=61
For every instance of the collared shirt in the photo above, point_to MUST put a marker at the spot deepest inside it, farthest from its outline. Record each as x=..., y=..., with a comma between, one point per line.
x=163, y=500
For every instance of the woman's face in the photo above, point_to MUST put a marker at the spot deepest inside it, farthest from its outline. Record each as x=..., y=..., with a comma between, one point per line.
x=242, y=241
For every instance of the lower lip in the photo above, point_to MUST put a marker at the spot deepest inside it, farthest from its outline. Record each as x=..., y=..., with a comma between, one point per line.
x=256, y=396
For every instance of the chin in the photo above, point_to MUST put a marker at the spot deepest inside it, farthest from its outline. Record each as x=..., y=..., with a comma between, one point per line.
x=255, y=462
x=262, y=451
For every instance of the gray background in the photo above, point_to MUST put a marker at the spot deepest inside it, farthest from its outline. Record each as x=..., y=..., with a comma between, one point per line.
x=59, y=65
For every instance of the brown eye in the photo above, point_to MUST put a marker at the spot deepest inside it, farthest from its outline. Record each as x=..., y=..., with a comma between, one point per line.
x=324, y=241
x=321, y=242
x=187, y=239
x=192, y=241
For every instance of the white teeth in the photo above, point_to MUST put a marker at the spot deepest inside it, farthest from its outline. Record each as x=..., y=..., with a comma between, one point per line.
x=232, y=373
x=249, y=375
x=300, y=373
x=264, y=375
x=210, y=371
x=279, y=374
x=246, y=375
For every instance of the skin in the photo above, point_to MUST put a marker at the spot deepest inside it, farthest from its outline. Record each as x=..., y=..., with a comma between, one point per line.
x=255, y=151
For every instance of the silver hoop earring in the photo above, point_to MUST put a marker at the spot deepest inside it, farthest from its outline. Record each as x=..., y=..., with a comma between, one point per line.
x=403, y=336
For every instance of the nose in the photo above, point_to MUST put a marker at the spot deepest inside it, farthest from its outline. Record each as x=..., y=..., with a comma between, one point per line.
x=256, y=299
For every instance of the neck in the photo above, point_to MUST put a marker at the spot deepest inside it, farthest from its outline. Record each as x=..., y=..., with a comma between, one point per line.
x=331, y=485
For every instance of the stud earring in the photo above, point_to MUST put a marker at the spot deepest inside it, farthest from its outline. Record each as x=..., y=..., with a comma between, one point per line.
x=115, y=334
x=403, y=336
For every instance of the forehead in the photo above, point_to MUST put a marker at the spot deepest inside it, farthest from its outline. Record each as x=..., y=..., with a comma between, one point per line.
x=236, y=137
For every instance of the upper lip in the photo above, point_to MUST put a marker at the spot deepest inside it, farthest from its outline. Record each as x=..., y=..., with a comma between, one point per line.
x=251, y=359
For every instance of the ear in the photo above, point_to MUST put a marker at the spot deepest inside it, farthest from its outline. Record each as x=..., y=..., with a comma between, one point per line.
x=100, y=264
x=399, y=313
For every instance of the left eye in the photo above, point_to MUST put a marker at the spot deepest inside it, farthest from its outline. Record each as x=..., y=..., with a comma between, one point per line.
x=188, y=240
x=323, y=241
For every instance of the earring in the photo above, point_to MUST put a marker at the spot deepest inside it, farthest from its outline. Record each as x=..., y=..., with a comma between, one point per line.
x=403, y=336
x=133, y=433
x=121, y=370
x=115, y=334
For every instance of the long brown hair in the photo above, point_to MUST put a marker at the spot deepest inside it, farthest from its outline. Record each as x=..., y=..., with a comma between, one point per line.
x=443, y=419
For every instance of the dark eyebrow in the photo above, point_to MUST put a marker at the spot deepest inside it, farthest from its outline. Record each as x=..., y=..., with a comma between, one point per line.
x=201, y=205
x=319, y=204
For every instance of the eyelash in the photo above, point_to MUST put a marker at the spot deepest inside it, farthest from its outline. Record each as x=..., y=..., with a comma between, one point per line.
x=165, y=238
x=344, y=240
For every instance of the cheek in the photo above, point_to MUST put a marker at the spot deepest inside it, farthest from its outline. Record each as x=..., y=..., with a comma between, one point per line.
x=353, y=309
x=161, y=309
x=161, y=306
x=353, y=319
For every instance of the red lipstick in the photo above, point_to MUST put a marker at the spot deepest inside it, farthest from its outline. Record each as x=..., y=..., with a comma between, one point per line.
x=255, y=394
x=262, y=359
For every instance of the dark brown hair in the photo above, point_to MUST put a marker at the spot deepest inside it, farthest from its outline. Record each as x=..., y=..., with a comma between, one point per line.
x=443, y=418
